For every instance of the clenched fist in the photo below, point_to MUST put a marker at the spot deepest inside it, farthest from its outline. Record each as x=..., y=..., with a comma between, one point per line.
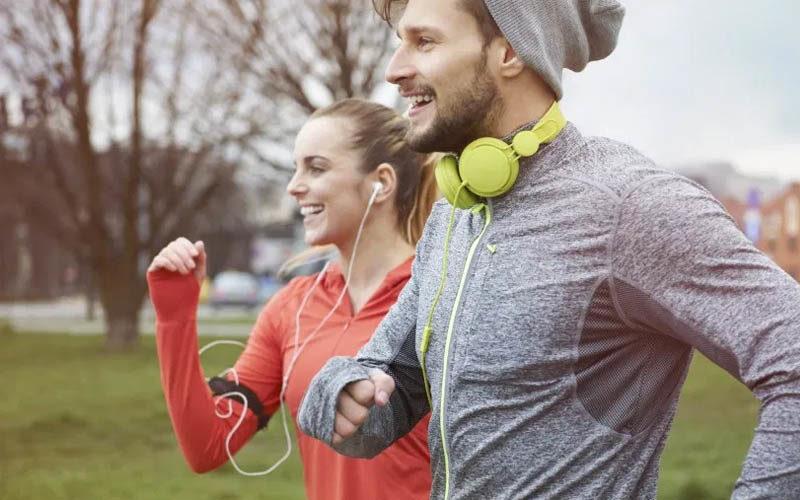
x=355, y=401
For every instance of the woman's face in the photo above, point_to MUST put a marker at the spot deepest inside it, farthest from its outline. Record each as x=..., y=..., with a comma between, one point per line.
x=327, y=182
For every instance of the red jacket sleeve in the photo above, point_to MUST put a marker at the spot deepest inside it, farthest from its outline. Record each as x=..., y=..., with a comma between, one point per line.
x=200, y=432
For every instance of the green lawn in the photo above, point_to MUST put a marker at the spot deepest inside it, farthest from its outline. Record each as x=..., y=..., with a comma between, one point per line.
x=239, y=318
x=77, y=423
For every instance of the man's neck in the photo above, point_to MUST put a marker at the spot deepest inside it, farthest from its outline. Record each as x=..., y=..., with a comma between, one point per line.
x=518, y=115
x=526, y=99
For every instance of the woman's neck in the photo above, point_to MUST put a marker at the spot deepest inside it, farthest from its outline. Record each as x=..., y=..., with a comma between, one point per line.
x=381, y=249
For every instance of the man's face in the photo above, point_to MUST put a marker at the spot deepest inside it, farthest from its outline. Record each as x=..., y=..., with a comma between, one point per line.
x=441, y=67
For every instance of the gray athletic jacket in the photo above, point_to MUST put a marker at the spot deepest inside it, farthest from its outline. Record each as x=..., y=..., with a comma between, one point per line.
x=565, y=331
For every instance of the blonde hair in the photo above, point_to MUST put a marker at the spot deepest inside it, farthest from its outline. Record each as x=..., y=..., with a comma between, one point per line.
x=379, y=134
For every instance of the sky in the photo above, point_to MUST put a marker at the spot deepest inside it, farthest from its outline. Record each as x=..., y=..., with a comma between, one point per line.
x=694, y=81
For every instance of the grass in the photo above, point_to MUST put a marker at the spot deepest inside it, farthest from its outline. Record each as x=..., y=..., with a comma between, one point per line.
x=710, y=436
x=239, y=319
x=77, y=423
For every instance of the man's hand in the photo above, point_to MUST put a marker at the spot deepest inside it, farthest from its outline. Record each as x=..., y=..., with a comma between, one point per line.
x=355, y=401
x=182, y=256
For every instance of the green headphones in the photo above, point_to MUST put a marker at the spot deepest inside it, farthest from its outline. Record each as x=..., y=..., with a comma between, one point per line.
x=489, y=167
x=486, y=168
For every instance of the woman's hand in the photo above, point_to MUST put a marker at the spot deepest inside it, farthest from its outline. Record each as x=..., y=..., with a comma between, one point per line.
x=182, y=256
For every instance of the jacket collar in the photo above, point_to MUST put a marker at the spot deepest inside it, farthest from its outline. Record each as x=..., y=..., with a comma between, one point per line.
x=334, y=277
x=549, y=157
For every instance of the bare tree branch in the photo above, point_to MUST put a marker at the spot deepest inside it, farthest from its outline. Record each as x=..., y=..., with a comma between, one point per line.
x=145, y=110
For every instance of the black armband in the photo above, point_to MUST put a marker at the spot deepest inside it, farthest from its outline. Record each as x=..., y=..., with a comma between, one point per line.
x=220, y=386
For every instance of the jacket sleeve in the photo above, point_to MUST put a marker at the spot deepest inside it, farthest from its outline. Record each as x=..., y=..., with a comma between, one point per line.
x=682, y=268
x=391, y=349
x=201, y=434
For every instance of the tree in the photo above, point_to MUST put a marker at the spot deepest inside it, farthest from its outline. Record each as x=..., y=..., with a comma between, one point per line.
x=115, y=196
x=142, y=113
x=297, y=56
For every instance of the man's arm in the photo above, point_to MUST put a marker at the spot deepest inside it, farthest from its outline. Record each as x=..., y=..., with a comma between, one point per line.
x=390, y=352
x=350, y=387
x=682, y=268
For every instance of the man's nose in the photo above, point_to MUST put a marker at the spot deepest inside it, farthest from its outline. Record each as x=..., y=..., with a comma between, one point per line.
x=400, y=67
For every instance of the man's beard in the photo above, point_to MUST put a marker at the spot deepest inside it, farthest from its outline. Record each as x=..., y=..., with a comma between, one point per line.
x=474, y=110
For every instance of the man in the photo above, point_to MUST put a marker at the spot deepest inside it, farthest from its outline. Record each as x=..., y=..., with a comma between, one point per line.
x=570, y=305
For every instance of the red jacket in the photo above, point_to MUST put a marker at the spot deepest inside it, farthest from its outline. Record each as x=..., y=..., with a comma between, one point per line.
x=400, y=472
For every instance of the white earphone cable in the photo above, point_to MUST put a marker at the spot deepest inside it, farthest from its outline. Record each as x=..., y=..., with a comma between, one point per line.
x=290, y=368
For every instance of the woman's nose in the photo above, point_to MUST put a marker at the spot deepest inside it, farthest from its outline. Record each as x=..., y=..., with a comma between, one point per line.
x=296, y=186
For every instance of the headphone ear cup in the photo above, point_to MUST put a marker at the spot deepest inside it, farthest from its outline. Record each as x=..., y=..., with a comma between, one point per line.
x=489, y=167
x=448, y=180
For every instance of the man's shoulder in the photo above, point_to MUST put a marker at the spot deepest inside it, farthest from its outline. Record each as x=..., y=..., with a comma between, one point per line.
x=615, y=166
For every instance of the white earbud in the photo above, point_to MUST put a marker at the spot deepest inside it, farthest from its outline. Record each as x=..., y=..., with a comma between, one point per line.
x=377, y=187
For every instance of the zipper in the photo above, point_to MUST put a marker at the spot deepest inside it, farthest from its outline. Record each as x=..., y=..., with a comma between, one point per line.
x=451, y=324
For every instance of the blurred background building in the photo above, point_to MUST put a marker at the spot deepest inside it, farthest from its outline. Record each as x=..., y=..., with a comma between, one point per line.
x=781, y=229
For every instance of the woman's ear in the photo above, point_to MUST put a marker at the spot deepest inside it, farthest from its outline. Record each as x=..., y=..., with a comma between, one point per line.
x=387, y=177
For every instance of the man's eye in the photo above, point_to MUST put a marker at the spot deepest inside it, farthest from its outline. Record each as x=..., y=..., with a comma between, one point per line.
x=424, y=42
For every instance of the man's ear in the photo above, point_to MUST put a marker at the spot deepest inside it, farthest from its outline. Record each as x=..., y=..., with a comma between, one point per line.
x=510, y=64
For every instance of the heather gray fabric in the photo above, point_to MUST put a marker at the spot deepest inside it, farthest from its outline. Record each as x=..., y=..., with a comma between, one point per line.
x=571, y=340
x=550, y=35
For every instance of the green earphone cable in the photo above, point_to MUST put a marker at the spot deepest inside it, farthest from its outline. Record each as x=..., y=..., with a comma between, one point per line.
x=428, y=330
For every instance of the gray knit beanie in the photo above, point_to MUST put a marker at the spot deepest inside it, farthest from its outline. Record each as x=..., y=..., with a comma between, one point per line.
x=550, y=35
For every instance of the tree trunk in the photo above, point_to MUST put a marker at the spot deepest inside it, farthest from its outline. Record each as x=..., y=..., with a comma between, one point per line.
x=91, y=295
x=121, y=300
x=122, y=331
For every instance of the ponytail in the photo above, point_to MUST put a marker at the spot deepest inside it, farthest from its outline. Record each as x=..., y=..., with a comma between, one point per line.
x=427, y=193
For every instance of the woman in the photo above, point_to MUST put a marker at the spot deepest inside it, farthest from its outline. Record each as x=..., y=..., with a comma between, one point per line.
x=363, y=190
